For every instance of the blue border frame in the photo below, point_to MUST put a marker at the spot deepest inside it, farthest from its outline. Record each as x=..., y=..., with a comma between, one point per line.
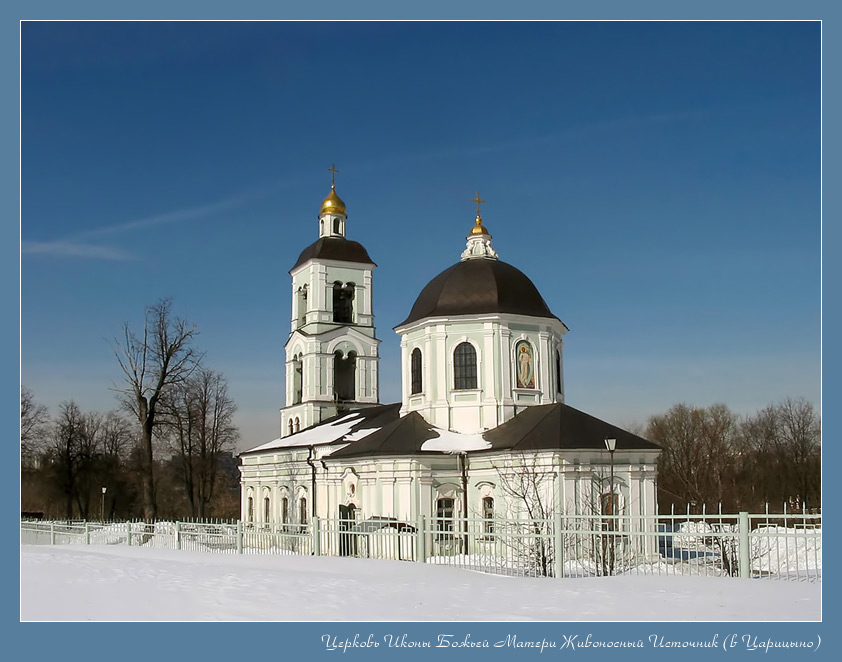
x=277, y=641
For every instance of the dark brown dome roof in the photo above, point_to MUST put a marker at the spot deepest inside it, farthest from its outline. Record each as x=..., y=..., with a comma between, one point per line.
x=334, y=248
x=479, y=286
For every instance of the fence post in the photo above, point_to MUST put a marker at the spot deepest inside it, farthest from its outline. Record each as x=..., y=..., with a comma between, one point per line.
x=420, y=540
x=745, y=570
x=558, y=557
x=87, y=534
x=129, y=534
x=239, y=536
x=178, y=535
x=315, y=531
x=52, y=533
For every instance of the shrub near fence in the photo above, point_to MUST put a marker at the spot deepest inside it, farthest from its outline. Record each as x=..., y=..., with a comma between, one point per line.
x=783, y=546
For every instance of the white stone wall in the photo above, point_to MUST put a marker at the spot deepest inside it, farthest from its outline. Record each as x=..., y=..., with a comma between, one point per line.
x=404, y=487
x=495, y=400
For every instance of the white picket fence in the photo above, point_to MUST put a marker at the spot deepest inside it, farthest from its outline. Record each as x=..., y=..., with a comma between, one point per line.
x=780, y=546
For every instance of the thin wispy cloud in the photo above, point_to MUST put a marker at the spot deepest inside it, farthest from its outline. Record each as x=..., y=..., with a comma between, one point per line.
x=177, y=216
x=75, y=249
x=79, y=245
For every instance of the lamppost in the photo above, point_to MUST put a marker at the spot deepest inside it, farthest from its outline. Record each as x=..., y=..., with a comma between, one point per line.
x=611, y=445
x=102, y=506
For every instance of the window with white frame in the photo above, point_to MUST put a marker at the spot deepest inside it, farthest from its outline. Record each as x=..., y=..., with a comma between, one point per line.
x=464, y=366
x=488, y=515
x=302, y=510
x=416, y=380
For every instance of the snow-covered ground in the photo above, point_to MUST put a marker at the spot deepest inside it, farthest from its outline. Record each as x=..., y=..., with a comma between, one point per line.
x=119, y=583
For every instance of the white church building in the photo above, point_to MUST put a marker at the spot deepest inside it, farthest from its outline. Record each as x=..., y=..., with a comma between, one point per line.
x=482, y=429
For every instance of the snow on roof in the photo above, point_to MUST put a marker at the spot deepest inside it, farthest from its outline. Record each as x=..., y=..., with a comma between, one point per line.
x=342, y=431
x=315, y=436
x=454, y=442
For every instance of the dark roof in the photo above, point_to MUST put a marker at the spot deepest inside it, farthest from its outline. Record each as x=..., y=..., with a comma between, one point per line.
x=401, y=437
x=547, y=427
x=360, y=419
x=479, y=285
x=334, y=248
x=542, y=427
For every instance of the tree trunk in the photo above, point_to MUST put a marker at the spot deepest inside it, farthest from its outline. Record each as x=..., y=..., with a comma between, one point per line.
x=150, y=510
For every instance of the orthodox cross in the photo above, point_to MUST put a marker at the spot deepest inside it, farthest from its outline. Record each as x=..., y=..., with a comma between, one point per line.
x=478, y=201
x=333, y=172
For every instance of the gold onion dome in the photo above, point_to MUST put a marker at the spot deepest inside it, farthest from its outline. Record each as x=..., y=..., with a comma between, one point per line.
x=333, y=203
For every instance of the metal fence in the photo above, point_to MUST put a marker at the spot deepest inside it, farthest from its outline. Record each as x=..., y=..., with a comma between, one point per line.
x=780, y=546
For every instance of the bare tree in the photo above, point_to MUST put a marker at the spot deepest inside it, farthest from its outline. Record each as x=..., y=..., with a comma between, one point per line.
x=33, y=422
x=65, y=452
x=781, y=455
x=526, y=485
x=199, y=416
x=700, y=454
x=160, y=358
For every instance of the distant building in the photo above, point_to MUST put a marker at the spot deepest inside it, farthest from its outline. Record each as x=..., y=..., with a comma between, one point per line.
x=482, y=406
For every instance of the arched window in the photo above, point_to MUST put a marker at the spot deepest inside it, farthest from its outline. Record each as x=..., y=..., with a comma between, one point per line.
x=610, y=507
x=290, y=426
x=344, y=376
x=297, y=379
x=284, y=510
x=464, y=366
x=444, y=514
x=297, y=424
x=336, y=226
x=302, y=305
x=343, y=303
x=488, y=514
x=267, y=509
x=417, y=383
x=558, y=371
x=250, y=510
x=321, y=227
x=302, y=510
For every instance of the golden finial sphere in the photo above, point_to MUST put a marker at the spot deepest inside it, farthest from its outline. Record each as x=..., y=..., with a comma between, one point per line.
x=479, y=228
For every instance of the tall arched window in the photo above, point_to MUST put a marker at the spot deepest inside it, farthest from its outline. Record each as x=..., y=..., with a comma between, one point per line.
x=558, y=371
x=250, y=510
x=417, y=384
x=301, y=303
x=290, y=426
x=464, y=366
x=302, y=510
x=343, y=303
x=267, y=509
x=444, y=514
x=297, y=379
x=488, y=514
x=297, y=424
x=335, y=226
x=345, y=376
x=284, y=510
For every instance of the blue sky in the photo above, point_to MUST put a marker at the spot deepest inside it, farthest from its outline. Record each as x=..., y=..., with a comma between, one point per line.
x=659, y=182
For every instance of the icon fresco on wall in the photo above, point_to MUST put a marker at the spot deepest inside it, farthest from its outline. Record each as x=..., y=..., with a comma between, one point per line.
x=525, y=365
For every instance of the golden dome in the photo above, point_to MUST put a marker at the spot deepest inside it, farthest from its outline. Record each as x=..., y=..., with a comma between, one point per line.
x=333, y=203
x=479, y=228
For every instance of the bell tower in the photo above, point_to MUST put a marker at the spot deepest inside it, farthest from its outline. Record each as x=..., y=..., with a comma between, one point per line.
x=332, y=352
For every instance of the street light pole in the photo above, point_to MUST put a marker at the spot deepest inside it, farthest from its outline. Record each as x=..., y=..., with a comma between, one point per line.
x=102, y=506
x=611, y=445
